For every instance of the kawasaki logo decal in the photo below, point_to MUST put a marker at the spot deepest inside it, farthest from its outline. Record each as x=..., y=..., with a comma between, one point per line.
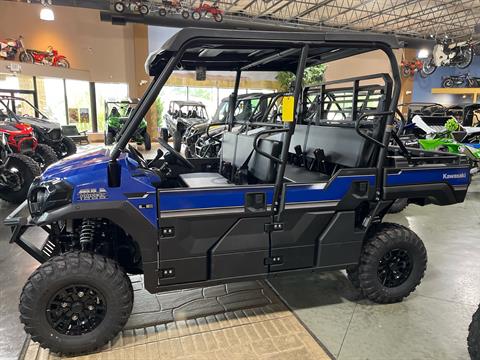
x=93, y=194
x=454, y=176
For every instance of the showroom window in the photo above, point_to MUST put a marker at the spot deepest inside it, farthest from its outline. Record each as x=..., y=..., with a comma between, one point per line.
x=78, y=100
x=51, y=98
x=205, y=95
x=16, y=82
x=108, y=92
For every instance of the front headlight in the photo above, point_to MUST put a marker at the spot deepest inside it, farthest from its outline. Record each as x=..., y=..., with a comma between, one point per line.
x=48, y=195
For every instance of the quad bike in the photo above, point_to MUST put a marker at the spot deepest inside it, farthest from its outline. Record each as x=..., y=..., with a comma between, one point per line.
x=142, y=7
x=17, y=172
x=458, y=81
x=118, y=113
x=409, y=68
x=173, y=7
x=49, y=57
x=45, y=131
x=22, y=141
x=206, y=8
x=447, y=53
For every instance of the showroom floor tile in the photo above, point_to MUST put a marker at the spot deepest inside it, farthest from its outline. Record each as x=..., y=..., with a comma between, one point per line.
x=431, y=324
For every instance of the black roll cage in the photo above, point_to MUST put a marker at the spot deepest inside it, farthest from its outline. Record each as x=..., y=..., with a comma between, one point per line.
x=303, y=46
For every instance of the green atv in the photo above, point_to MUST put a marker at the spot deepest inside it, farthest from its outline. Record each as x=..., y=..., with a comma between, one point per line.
x=117, y=114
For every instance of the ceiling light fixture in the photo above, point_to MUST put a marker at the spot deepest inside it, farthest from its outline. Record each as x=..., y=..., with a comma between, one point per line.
x=47, y=13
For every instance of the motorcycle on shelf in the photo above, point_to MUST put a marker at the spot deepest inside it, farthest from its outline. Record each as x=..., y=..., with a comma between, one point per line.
x=50, y=57
x=409, y=68
x=448, y=53
x=460, y=81
x=10, y=47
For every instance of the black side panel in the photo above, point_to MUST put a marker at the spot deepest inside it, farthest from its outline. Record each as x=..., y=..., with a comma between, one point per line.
x=242, y=250
x=296, y=243
x=340, y=243
x=423, y=194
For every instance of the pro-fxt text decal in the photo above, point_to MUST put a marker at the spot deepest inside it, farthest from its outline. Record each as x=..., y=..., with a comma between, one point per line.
x=92, y=194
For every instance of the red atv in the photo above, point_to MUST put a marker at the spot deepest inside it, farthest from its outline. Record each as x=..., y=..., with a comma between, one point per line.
x=206, y=8
x=20, y=140
x=17, y=173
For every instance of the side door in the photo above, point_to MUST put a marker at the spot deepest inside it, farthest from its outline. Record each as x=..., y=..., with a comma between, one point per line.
x=211, y=234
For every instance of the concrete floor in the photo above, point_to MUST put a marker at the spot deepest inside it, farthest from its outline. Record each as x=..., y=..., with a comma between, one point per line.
x=431, y=324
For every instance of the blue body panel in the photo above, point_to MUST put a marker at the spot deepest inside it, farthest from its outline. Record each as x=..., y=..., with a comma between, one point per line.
x=88, y=171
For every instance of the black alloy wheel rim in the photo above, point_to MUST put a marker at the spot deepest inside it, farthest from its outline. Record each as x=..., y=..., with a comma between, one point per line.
x=76, y=310
x=394, y=268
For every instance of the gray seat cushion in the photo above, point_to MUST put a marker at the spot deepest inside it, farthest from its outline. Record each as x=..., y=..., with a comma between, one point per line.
x=198, y=180
x=299, y=174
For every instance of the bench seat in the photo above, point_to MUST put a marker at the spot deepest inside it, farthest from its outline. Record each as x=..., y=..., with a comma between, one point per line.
x=299, y=174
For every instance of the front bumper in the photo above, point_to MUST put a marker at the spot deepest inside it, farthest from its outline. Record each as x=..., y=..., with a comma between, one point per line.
x=20, y=224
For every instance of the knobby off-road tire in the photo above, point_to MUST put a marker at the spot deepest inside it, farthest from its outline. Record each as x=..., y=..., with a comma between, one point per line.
x=352, y=275
x=28, y=170
x=147, y=141
x=69, y=286
x=398, y=206
x=68, y=147
x=45, y=155
x=177, y=140
x=473, y=339
x=392, y=263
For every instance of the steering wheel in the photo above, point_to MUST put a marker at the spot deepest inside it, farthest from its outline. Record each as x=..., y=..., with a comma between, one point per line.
x=137, y=156
x=184, y=162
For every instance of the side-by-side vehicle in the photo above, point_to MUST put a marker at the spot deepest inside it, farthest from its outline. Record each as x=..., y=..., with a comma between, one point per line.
x=306, y=195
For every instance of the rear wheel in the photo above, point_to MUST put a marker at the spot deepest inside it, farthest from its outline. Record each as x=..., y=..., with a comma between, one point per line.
x=119, y=7
x=177, y=140
x=392, y=263
x=45, y=155
x=474, y=336
x=143, y=9
x=447, y=83
x=147, y=141
x=467, y=59
x=428, y=67
x=185, y=14
x=196, y=15
x=162, y=12
x=26, y=57
x=68, y=147
x=76, y=302
x=19, y=172
x=164, y=134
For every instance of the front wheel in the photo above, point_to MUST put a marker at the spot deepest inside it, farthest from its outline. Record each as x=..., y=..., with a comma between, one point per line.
x=398, y=206
x=196, y=15
x=143, y=10
x=467, y=59
x=147, y=141
x=68, y=147
x=162, y=12
x=392, y=263
x=185, y=14
x=18, y=173
x=473, y=339
x=428, y=67
x=63, y=63
x=218, y=17
x=119, y=7
x=76, y=302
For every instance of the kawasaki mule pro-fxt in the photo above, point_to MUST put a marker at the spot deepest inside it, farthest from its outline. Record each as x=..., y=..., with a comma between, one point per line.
x=297, y=196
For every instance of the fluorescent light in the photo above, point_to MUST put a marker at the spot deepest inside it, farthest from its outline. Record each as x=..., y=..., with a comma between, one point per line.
x=47, y=14
x=423, y=53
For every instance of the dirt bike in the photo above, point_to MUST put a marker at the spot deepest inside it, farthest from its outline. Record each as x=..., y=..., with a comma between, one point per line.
x=49, y=57
x=458, y=81
x=205, y=8
x=10, y=47
x=173, y=7
x=17, y=172
x=142, y=7
x=447, y=53
x=409, y=68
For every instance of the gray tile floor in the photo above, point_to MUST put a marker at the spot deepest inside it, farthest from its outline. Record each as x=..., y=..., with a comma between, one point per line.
x=431, y=324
